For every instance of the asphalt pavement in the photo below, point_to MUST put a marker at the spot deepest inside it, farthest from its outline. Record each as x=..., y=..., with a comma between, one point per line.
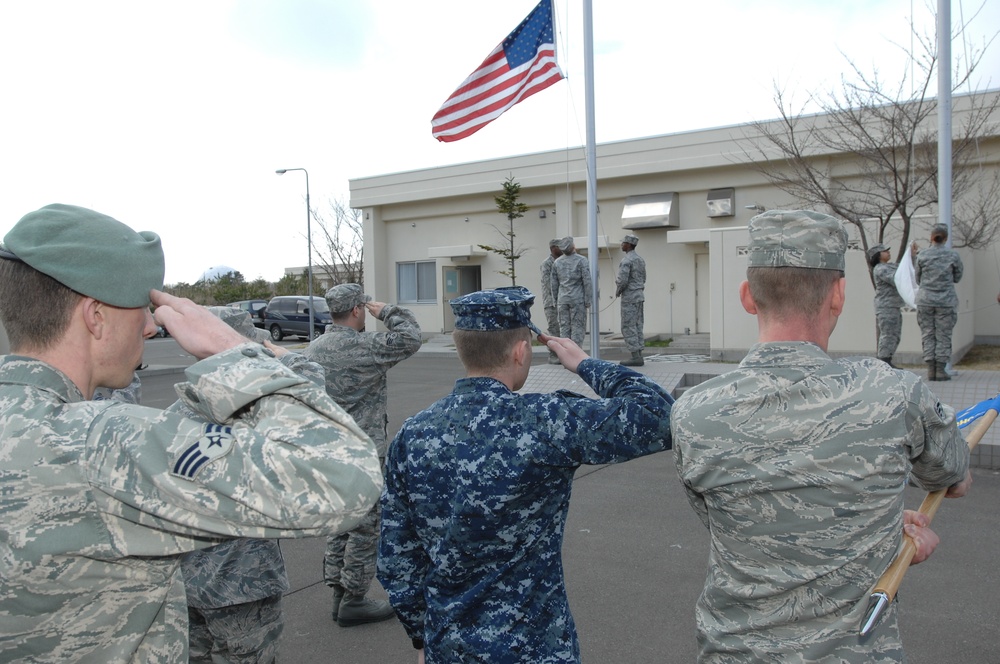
x=635, y=555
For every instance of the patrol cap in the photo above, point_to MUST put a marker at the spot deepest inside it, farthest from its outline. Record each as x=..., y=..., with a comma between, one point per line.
x=554, y=242
x=631, y=239
x=498, y=309
x=876, y=249
x=89, y=252
x=344, y=297
x=940, y=229
x=240, y=320
x=797, y=238
x=565, y=243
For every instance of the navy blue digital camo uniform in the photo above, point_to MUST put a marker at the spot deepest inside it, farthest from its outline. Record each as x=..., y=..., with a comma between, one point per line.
x=474, y=509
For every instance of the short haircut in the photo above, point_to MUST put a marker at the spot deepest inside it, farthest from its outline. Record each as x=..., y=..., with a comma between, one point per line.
x=34, y=307
x=341, y=316
x=486, y=351
x=779, y=291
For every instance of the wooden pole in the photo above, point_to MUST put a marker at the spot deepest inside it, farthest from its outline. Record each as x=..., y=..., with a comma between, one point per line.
x=888, y=584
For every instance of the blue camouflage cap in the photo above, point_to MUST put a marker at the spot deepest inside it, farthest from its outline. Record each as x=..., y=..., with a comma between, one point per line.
x=797, y=238
x=498, y=309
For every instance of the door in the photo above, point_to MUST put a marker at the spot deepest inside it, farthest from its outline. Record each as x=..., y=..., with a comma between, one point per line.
x=702, y=301
x=458, y=281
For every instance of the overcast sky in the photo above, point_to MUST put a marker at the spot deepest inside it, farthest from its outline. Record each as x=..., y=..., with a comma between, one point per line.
x=173, y=117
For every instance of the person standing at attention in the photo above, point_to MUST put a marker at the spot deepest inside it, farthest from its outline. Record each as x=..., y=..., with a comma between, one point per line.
x=937, y=270
x=796, y=463
x=630, y=286
x=100, y=498
x=888, y=303
x=356, y=363
x=548, y=302
x=478, y=488
x=571, y=287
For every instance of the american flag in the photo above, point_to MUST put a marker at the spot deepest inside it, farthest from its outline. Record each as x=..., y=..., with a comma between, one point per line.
x=521, y=65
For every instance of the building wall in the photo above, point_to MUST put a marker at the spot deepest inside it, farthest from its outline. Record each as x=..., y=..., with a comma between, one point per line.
x=443, y=215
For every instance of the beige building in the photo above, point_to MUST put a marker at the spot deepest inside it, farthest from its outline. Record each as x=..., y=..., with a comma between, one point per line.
x=687, y=196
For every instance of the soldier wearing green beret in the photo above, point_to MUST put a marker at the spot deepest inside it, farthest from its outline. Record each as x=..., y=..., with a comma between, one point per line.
x=99, y=498
x=796, y=462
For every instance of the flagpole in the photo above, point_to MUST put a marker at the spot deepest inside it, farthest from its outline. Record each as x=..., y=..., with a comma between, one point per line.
x=944, y=114
x=591, y=158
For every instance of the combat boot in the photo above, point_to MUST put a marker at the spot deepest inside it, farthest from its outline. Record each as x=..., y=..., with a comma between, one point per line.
x=932, y=370
x=634, y=361
x=338, y=596
x=358, y=610
x=888, y=360
x=942, y=371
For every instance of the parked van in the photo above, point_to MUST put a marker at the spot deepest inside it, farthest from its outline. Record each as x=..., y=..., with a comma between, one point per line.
x=288, y=315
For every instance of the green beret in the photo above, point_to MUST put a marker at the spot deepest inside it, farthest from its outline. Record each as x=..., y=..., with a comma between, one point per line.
x=90, y=253
x=797, y=238
x=504, y=308
x=344, y=297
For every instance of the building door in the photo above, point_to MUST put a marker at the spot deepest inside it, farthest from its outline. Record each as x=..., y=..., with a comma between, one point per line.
x=458, y=281
x=702, y=301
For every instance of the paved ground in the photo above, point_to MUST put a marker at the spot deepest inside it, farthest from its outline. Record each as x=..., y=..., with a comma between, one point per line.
x=634, y=552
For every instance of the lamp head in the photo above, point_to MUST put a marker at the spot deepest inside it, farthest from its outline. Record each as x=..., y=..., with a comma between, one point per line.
x=281, y=171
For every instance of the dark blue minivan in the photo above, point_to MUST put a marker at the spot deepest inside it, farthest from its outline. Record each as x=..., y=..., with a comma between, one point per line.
x=288, y=316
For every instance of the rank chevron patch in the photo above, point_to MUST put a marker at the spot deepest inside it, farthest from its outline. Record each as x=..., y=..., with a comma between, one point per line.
x=216, y=442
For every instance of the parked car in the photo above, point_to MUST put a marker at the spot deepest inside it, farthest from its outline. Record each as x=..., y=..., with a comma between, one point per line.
x=288, y=315
x=254, y=307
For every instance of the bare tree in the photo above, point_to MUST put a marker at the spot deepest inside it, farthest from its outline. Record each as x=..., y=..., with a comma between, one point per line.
x=884, y=173
x=342, y=254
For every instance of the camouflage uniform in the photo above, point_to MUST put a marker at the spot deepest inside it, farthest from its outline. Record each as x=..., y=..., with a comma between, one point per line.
x=796, y=463
x=887, y=310
x=631, y=288
x=127, y=488
x=548, y=302
x=937, y=270
x=356, y=364
x=778, y=458
x=571, y=287
x=473, y=514
x=234, y=589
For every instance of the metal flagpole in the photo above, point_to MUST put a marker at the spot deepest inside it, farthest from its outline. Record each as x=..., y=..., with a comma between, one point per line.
x=591, y=159
x=944, y=114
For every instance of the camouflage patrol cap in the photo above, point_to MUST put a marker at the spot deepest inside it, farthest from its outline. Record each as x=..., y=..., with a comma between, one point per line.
x=499, y=309
x=566, y=242
x=876, y=249
x=797, y=238
x=940, y=229
x=631, y=239
x=554, y=242
x=240, y=320
x=344, y=297
x=89, y=252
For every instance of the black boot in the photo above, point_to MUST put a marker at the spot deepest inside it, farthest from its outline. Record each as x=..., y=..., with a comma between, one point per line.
x=634, y=361
x=932, y=370
x=942, y=373
x=888, y=360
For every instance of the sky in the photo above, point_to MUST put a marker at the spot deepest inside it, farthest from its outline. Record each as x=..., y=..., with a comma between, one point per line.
x=173, y=117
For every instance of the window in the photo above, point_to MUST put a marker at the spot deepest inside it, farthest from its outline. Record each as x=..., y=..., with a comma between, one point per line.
x=416, y=281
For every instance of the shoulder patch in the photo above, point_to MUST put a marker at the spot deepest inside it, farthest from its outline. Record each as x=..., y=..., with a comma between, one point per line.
x=215, y=443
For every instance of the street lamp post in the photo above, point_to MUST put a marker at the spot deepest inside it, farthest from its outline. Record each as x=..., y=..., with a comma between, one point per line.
x=282, y=171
